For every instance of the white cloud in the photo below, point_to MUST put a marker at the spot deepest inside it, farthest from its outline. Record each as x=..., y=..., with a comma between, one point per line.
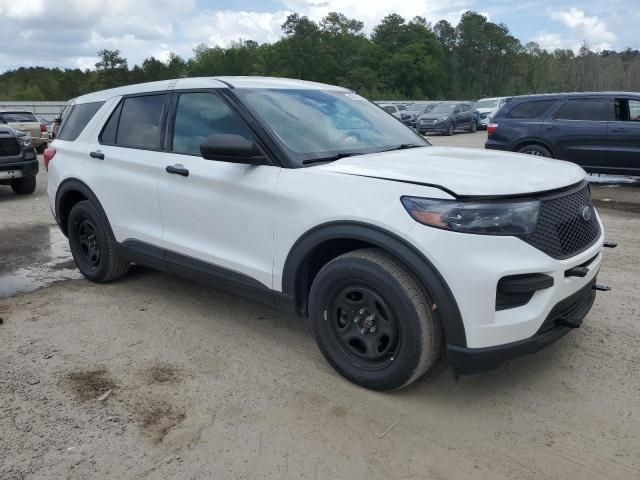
x=591, y=29
x=223, y=27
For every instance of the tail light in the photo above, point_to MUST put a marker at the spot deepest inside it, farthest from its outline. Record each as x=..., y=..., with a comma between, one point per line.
x=491, y=128
x=43, y=128
x=49, y=153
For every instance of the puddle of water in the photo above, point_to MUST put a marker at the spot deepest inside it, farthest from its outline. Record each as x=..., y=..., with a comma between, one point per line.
x=32, y=257
x=612, y=179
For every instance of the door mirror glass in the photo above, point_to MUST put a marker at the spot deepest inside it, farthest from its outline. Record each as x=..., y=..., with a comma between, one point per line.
x=229, y=147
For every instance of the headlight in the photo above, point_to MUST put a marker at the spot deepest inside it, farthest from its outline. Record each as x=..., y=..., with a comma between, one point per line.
x=442, y=119
x=25, y=141
x=489, y=218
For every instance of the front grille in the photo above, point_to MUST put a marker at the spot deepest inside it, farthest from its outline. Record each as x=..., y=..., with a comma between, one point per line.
x=567, y=225
x=9, y=146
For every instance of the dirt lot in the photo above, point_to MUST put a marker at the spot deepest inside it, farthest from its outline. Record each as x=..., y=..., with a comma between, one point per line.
x=207, y=385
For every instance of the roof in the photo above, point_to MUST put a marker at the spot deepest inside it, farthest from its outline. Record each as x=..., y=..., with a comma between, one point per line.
x=206, y=82
x=574, y=94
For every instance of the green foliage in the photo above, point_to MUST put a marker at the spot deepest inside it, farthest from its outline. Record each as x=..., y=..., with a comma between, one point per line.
x=400, y=60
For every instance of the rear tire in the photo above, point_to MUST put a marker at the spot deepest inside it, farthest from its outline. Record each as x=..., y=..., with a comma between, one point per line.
x=535, y=150
x=91, y=246
x=24, y=186
x=41, y=148
x=373, y=321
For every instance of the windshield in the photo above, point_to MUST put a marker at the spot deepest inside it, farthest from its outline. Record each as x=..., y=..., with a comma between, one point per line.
x=15, y=117
x=488, y=103
x=446, y=109
x=316, y=124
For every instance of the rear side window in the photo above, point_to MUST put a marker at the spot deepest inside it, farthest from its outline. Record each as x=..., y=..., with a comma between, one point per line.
x=76, y=119
x=584, y=109
x=135, y=123
x=532, y=109
x=15, y=117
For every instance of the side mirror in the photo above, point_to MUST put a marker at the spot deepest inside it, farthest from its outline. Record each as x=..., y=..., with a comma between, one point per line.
x=231, y=148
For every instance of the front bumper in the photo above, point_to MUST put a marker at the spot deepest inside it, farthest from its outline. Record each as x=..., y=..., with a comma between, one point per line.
x=565, y=315
x=472, y=266
x=432, y=127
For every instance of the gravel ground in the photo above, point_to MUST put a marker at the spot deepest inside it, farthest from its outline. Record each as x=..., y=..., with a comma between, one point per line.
x=207, y=385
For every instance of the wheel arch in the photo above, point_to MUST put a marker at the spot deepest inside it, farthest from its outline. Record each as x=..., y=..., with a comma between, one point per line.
x=323, y=243
x=70, y=192
x=534, y=141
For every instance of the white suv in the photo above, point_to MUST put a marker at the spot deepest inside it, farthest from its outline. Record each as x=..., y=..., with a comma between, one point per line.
x=310, y=196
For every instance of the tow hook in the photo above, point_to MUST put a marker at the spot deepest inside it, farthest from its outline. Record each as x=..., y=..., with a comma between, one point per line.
x=601, y=288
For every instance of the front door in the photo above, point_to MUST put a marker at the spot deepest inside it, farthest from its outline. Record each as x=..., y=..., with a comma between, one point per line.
x=624, y=137
x=218, y=213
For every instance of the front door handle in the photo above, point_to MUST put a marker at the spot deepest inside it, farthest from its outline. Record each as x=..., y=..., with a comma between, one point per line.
x=178, y=170
x=97, y=155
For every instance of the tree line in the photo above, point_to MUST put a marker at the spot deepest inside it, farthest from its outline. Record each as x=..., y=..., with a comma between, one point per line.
x=400, y=59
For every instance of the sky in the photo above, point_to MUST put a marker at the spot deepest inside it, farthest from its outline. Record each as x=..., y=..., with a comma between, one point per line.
x=68, y=33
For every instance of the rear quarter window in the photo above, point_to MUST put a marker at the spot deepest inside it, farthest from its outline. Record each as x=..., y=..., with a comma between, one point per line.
x=530, y=109
x=77, y=119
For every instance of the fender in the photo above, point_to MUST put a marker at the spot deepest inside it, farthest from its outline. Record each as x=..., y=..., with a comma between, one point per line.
x=410, y=256
x=75, y=185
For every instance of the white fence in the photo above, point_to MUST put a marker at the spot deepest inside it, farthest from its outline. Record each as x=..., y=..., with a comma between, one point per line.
x=48, y=110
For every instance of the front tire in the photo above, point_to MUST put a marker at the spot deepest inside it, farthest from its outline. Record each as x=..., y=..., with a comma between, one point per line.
x=24, y=186
x=450, y=129
x=91, y=246
x=535, y=150
x=373, y=321
x=473, y=127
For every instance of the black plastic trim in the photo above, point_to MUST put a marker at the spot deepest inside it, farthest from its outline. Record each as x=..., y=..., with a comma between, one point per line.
x=75, y=185
x=202, y=272
x=410, y=256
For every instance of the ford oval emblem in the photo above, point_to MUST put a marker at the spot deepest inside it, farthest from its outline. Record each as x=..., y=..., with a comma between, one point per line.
x=587, y=213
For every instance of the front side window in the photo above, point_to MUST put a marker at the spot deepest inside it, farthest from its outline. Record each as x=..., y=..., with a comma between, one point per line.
x=389, y=109
x=76, y=119
x=594, y=109
x=317, y=124
x=199, y=115
x=139, y=122
x=627, y=110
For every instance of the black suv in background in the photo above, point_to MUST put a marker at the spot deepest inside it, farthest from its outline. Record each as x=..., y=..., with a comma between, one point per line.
x=18, y=161
x=598, y=131
x=447, y=118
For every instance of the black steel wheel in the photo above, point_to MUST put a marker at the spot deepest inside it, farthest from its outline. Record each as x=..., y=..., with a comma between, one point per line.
x=363, y=326
x=372, y=320
x=88, y=241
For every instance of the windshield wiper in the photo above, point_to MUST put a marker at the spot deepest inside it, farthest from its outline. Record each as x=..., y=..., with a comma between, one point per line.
x=331, y=158
x=404, y=146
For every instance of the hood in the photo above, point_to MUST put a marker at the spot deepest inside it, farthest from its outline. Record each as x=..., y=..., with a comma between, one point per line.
x=464, y=171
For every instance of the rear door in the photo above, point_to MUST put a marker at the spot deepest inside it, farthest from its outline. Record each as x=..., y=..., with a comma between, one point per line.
x=624, y=136
x=577, y=130
x=123, y=166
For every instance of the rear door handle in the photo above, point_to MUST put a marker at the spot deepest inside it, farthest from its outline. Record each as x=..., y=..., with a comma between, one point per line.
x=178, y=170
x=98, y=155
